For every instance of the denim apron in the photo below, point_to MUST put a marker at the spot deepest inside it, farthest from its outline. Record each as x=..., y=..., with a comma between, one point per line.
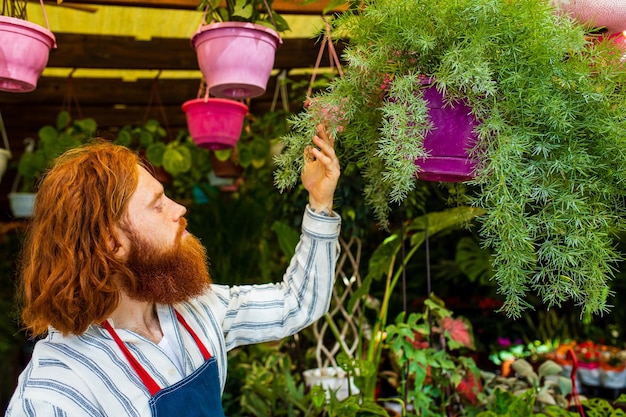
x=196, y=395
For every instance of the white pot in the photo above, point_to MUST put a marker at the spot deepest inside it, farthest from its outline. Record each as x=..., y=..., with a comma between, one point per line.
x=613, y=379
x=5, y=155
x=589, y=376
x=22, y=204
x=332, y=380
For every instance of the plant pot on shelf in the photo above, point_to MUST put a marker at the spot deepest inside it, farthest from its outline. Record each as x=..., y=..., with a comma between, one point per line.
x=331, y=379
x=24, y=50
x=449, y=142
x=236, y=58
x=215, y=123
x=22, y=204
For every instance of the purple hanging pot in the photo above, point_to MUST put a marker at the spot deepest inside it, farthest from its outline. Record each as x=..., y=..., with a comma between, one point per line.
x=449, y=142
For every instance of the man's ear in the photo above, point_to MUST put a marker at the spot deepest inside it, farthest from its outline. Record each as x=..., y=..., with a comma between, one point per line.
x=118, y=242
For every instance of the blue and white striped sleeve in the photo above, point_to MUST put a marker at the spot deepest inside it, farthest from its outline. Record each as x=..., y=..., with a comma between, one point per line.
x=260, y=313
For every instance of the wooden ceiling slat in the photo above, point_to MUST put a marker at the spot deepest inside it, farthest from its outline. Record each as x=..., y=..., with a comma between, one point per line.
x=125, y=52
x=280, y=6
x=114, y=91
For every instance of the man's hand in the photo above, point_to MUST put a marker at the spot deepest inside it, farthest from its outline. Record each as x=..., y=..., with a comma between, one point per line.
x=321, y=171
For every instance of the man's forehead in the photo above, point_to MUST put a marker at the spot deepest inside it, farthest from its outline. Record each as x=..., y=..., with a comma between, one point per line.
x=148, y=188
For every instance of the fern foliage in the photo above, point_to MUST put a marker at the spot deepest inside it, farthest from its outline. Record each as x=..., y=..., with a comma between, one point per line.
x=550, y=99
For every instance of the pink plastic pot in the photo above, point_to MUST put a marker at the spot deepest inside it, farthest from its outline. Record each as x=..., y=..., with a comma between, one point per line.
x=215, y=123
x=449, y=141
x=24, y=50
x=236, y=58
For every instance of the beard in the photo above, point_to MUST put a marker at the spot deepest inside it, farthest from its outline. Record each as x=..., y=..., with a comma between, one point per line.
x=167, y=276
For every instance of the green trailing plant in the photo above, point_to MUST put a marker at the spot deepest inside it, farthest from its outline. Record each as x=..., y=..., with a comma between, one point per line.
x=254, y=11
x=549, y=99
x=53, y=141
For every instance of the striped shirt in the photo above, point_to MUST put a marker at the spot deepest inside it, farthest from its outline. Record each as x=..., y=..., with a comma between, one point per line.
x=87, y=375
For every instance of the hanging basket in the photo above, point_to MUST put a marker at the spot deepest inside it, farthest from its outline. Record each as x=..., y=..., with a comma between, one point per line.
x=449, y=142
x=215, y=123
x=24, y=50
x=236, y=58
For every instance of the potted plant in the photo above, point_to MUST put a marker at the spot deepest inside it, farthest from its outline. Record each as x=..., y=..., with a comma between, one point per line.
x=351, y=339
x=53, y=141
x=236, y=52
x=24, y=47
x=215, y=123
x=548, y=150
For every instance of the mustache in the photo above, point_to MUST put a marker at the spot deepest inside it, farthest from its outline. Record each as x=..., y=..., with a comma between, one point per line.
x=181, y=228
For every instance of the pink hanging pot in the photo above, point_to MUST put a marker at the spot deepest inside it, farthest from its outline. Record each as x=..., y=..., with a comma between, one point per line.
x=24, y=50
x=215, y=123
x=449, y=142
x=236, y=58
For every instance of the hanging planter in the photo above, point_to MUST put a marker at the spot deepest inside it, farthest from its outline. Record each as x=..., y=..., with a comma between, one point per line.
x=215, y=123
x=236, y=58
x=24, y=50
x=449, y=142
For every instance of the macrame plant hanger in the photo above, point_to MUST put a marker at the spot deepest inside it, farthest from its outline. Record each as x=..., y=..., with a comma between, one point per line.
x=70, y=99
x=155, y=101
x=281, y=91
x=332, y=57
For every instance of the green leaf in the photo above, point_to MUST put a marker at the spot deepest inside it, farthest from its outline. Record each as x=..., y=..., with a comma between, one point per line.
x=87, y=125
x=318, y=396
x=152, y=126
x=223, y=154
x=31, y=164
x=155, y=152
x=474, y=261
x=177, y=160
x=63, y=120
x=243, y=9
x=287, y=237
x=548, y=368
x=146, y=138
x=48, y=133
x=124, y=138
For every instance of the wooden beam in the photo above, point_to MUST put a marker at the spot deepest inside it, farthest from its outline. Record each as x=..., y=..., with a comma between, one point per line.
x=280, y=6
x=126, y=52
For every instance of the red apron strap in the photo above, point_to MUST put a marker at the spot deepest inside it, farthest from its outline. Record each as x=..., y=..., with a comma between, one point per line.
x=203, y=349
x=148, y=381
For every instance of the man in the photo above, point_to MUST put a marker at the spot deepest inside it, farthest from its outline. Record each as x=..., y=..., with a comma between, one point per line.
x=121, y=292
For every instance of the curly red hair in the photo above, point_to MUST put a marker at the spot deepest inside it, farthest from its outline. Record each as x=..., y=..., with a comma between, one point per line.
x=68, y=265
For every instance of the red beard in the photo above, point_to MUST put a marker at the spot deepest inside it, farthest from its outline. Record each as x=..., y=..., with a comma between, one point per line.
x=167, y=276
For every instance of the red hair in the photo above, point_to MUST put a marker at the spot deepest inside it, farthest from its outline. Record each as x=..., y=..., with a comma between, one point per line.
x=68, y=265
